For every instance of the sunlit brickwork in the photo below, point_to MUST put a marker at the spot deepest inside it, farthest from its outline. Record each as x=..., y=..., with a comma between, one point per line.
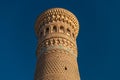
x=57, y=30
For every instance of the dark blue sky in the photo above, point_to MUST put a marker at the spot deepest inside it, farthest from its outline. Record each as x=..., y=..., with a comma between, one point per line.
x=98, y=40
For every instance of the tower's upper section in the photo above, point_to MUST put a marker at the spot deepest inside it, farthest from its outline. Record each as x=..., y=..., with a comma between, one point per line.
x=57, y=15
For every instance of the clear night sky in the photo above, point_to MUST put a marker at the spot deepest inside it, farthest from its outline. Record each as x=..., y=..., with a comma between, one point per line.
x=98, y=40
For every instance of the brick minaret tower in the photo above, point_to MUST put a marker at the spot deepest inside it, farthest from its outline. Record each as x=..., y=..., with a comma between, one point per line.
x=57, y=29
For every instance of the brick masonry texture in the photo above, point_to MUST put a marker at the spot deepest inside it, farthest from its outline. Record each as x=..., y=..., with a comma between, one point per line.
x=57, y=30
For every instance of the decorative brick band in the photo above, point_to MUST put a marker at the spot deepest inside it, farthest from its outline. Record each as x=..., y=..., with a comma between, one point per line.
x=57, y=44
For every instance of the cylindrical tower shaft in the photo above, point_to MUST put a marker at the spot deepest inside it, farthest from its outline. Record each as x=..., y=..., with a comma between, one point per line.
x=57, y=29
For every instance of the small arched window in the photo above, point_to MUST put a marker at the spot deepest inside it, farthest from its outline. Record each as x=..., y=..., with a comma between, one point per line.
x=68, y=32
x=61, y=29
x=54, y=29
x=65, y=68
x=47, y=30
x=73, y=35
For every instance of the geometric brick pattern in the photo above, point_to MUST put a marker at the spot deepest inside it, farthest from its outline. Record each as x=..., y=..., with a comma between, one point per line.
x=57, y=63
x=56, y=30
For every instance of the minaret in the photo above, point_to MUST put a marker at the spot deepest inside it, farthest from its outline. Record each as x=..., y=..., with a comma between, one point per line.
x=56, y=30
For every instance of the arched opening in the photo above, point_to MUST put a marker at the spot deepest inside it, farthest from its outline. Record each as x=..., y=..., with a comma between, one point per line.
x=65, y=68
x=73, y=35
x=61, y=29
x=68, y=32
x=54, y=29
x=47, y=30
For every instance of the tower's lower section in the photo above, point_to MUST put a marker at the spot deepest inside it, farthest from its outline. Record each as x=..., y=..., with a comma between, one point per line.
x=57, y=65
